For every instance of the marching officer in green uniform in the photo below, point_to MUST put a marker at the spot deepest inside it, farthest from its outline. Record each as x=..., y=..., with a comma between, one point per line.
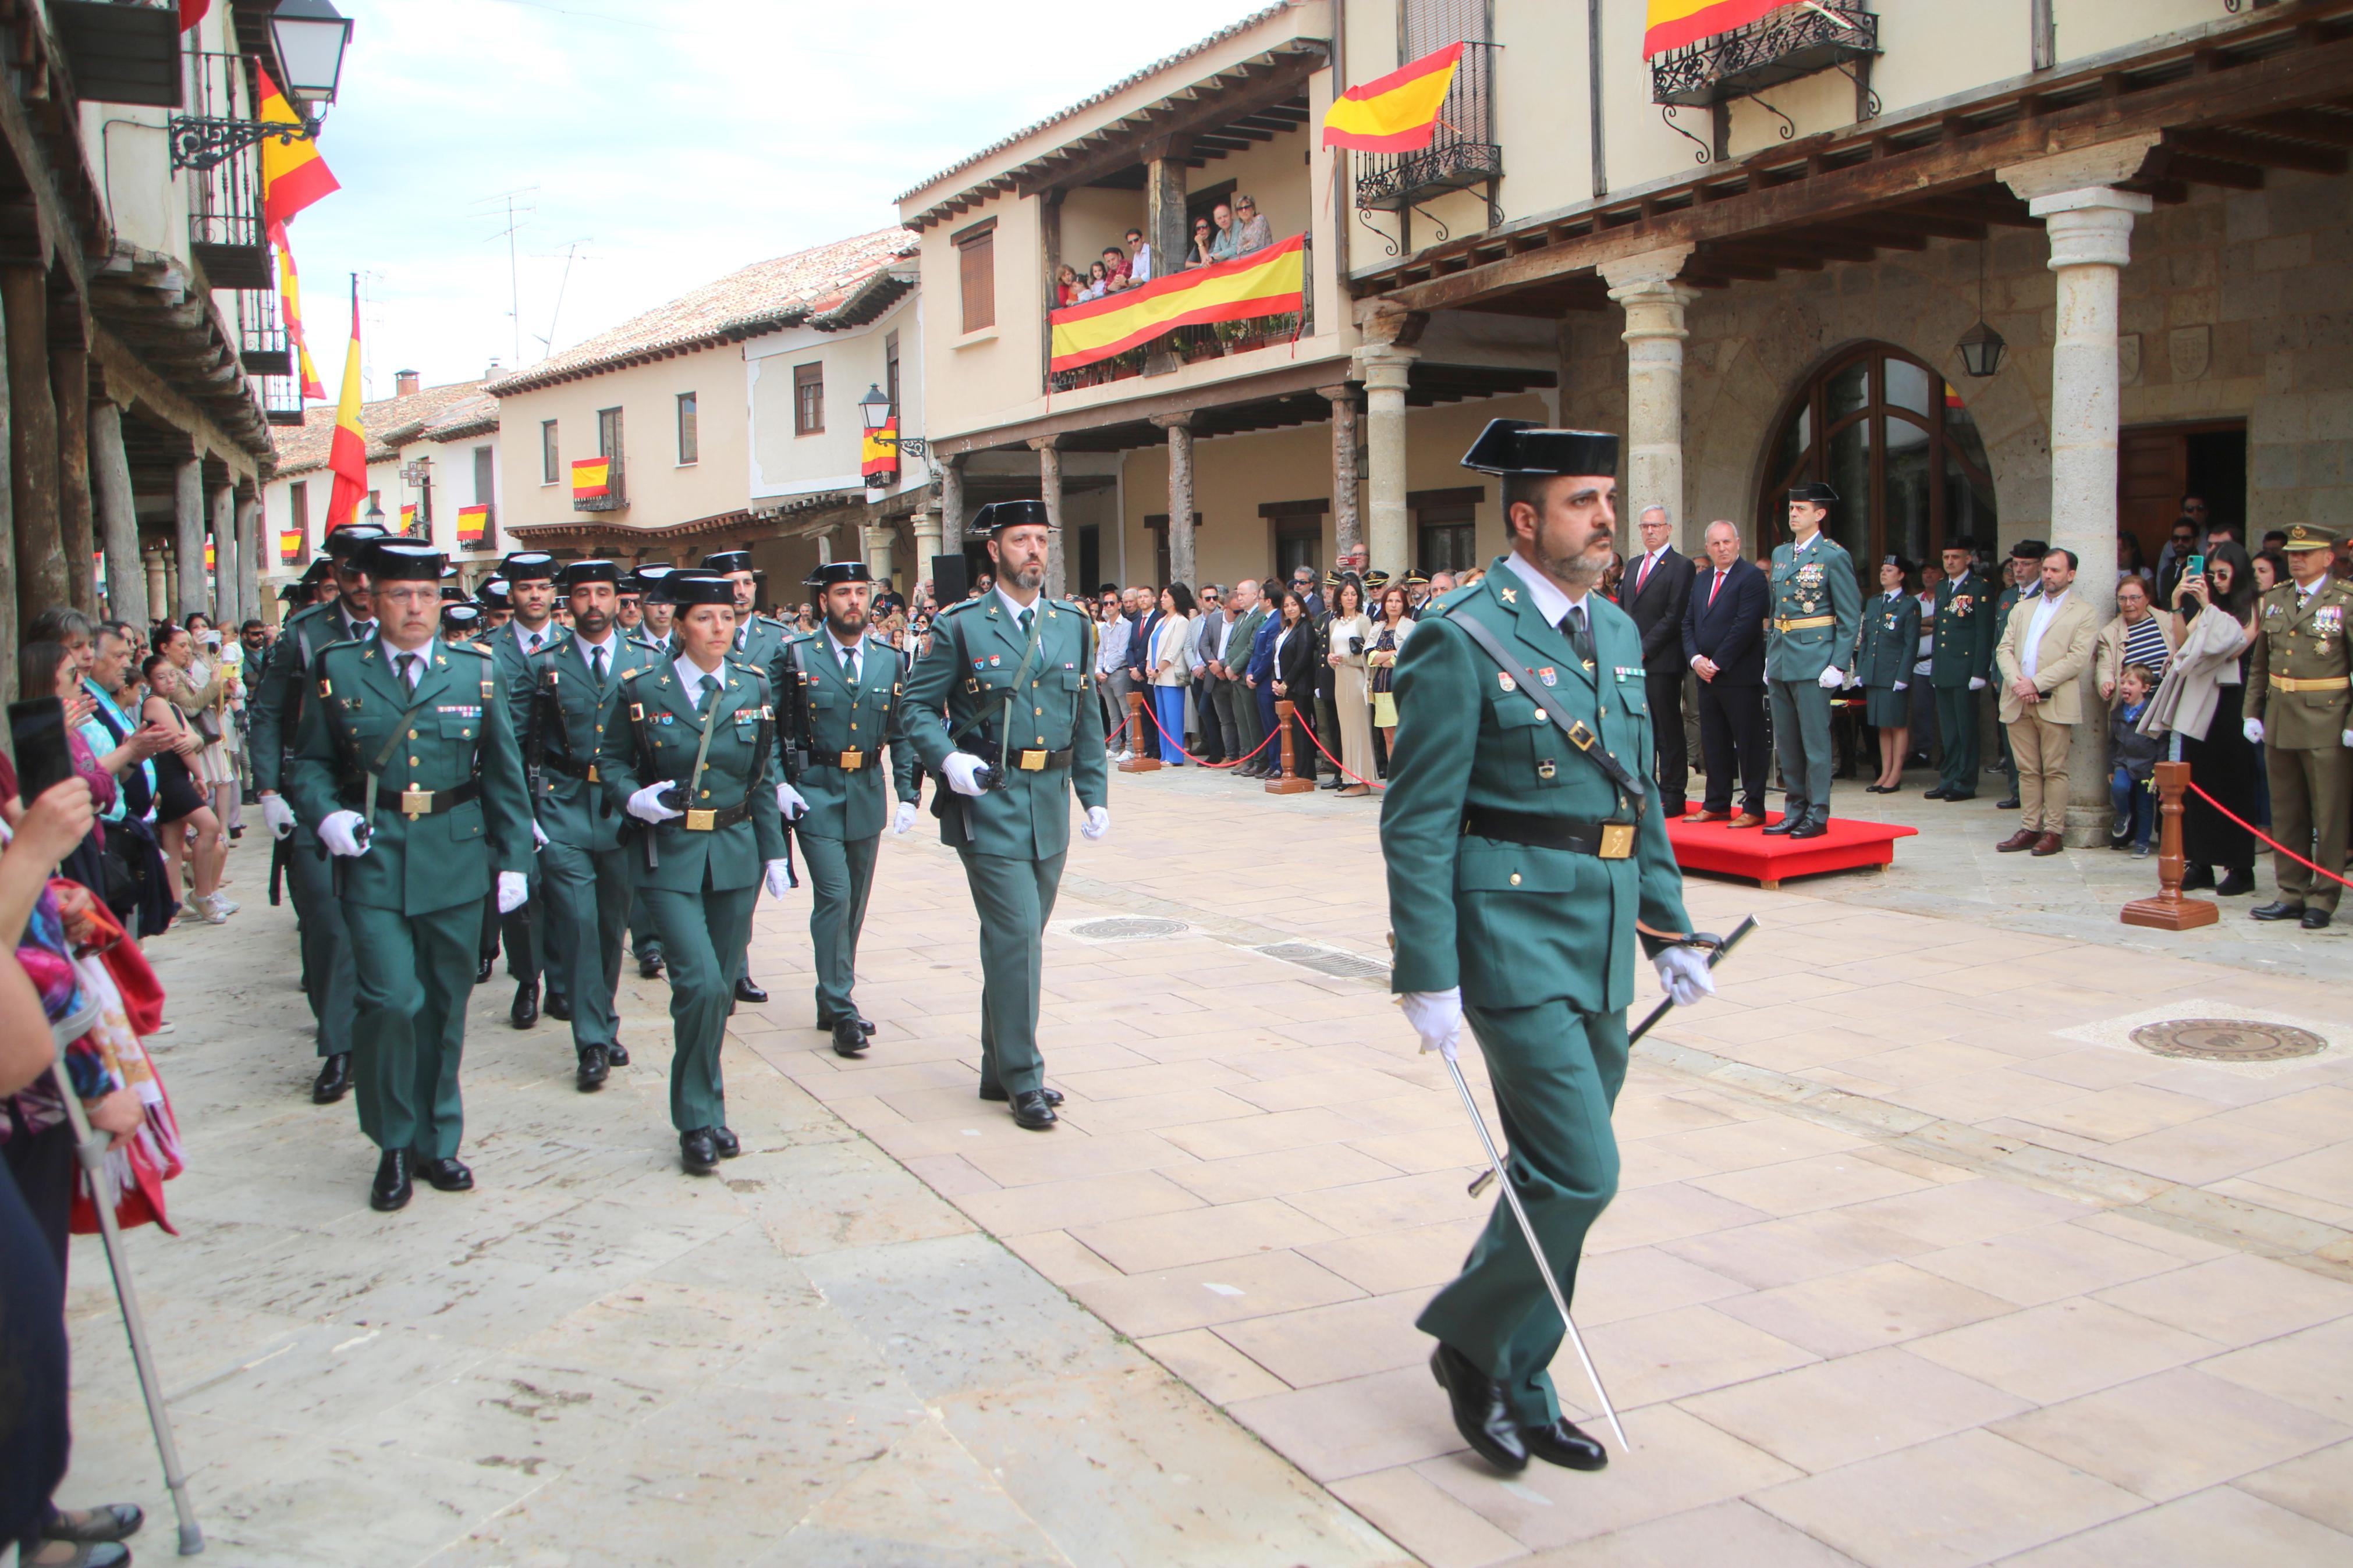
x=842, y=693
x=2025, y=582
x=530, y=579
x=278, y=699
x=758, y=639
x=1002, y=708
x=1817, y=614
x=690, y=755
x=498, y=610
x=652, y=639
x=1525, y=859
x=405, y=768
x=584, y=876
x=1959, y=666
x=655, y=631
x=2299, y=708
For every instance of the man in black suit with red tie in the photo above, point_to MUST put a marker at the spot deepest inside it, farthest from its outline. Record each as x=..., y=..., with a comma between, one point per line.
x=1656, y=587
x=1723, y=643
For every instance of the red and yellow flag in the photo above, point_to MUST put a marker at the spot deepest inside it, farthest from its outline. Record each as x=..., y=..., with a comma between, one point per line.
x=289, y=302
x=877, y=456
x=193, y=12
x=1270, y=282
x=1675, y=23
x=348, y=455
x=1395, y=113
x=474, y=523
x=592, y=478
x=291, y=544
x=293, y=175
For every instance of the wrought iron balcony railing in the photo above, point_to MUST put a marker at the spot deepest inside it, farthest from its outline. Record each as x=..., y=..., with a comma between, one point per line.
x=224, y=201
x=1463, y=155
x=1781, y=47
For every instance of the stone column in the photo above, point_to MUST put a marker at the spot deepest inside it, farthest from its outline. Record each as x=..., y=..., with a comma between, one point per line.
x=188, y=535
x=69, y=382
x=1050, y=490
x=1181, y=562
x=824, y=546
x=33, y=448
x=1347, y=514
x=225, y=564
x=952, y=505
x=1386, y=368
x=118, y=519
x=2090, y=227
x=249, y=559
x=880, y=536
x=927, y=543
x=1645, y=285
x=156, y=570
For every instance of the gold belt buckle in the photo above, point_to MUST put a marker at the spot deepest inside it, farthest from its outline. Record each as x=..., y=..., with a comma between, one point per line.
x=1617, y=840
x=1033, y=761
x=851, y=761
x=701, y=821
x=416, y=803
x=592, y=775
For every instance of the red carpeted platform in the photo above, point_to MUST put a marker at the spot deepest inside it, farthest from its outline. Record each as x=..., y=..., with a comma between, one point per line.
x=1710, y=846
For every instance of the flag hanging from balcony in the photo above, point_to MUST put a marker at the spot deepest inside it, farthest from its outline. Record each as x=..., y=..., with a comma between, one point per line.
x=592, y=478
x=193, y=12
x=1270, y=282
x=473, y=526
x=290, y=303
x=293, y=175
x=1675, y=23
x=1395, y=113
x=290, y=546
x=409, y=517
x=348, y=455
x=877, y=456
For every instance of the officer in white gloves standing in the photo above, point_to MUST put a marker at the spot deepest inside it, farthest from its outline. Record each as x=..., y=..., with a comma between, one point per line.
x=1817, y=614
x=406, y=767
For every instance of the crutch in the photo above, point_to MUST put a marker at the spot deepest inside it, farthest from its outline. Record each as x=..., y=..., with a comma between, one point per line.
x=93, y=1150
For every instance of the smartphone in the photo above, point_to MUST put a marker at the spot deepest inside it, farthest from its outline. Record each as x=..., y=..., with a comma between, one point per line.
x=44, y=758
x=2196, y=567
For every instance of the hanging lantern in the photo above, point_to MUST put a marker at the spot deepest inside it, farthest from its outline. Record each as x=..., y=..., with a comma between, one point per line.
x=1981, y=350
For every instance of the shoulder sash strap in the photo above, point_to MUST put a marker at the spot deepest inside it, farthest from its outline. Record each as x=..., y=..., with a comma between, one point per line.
x=1580, y=734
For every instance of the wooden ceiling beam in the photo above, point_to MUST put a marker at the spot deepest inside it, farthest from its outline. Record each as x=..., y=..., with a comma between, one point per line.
x=2260, y=151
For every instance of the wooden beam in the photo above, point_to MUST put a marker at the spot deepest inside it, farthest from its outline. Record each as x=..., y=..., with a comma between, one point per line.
x=1260, y=89
x=2260, y=151
x=2306, y=125
x=2200, y=171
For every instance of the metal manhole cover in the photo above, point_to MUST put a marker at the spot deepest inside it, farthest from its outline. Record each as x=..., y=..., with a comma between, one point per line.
x=1126, y=928
x=1328, y=960
x=2227, y=1040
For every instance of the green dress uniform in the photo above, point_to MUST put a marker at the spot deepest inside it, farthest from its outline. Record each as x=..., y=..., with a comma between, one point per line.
x=1817, y=614
x=529, y=956
x=853, y=707
x=698, y=874
x=450, y=809
x=1884, y=652
x=1023, y=700
x=644, y=943
x=1967, y=630
x=2300, y=684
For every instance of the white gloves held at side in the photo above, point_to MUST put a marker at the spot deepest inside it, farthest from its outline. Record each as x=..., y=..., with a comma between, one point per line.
x=1684, y=976
x=340, y=832
x=903, y=818
x=961, y=768
x=279, y=813
x=1437, y=1017
x=1902, y=685
x=1831, y=679
x=2253, y=729
x=1977, y=683
x=778, y=874
x=538, y=834
x=513, y=888
x=645, y=806
x=1098, y=821
x=789, y=802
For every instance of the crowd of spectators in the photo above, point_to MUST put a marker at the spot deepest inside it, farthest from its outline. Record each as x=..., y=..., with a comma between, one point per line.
x=1230, y=230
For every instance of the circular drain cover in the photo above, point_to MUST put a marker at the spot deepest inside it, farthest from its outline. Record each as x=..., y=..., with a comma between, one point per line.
x=1126, y=928
x=2227, y=1040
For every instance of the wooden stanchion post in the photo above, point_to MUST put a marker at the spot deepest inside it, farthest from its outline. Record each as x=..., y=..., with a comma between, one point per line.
x=1289, y=782
x=1139, y=760
x=2169, y=910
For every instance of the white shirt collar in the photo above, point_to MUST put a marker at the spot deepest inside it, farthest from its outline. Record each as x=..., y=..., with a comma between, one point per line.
x=533, y=641
x=1653, y=555
x=1015, y=607
x=690, y=675
x=840, y=648
x=391, y=654
x=611, y=644
x=1551, y=603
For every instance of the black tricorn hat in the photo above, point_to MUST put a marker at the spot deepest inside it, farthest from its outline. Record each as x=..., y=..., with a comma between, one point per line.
x=451, y=593
x=651, y=582
x=827, y=573
x=2029, y=550
x=1524, y=447
x=463, y=616
x=1813, y=490
x=350, y=541
x=698, y=587
x=998, y=516
x=319, y=569
x=528, y=566
x=288, y=591
x=491, y=593
x=726, y=560
x=402, y=561
x=579, y=571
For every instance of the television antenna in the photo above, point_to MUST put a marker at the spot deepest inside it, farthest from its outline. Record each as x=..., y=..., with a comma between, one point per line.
x=516, y=211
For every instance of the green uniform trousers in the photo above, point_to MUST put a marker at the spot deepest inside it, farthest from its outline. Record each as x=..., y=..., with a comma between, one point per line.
x=588, y=895
x=644, y=941
x=328, y=978
x=1556, y=1073
x=1801, y=740
x=1957, y=726
x=703, y=936
x=2309, y=791
x=415, y=973
x=840, y=873
x=1014, y=898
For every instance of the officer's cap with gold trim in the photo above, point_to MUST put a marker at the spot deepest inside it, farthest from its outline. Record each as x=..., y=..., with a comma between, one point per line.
x=1524, y=447
x=1375, y=579
x=726, y=560
x=1416, y=579
x=402, y=561
x=528, y=566
x=998, y=516
x=579, y=571
x=2309, y=536
x=828, y=572
x=685, y=589
x=1814, y=491
x=347, y=543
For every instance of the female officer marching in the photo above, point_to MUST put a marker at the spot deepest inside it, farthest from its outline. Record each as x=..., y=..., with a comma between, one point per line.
x=693, y=761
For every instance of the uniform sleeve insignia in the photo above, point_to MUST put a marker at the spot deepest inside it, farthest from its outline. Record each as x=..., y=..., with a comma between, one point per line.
x=1509, y=596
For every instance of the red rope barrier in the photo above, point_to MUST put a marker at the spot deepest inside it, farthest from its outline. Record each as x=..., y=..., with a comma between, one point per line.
x=2266, y=838
x=1372, y=783
x=1145, y=709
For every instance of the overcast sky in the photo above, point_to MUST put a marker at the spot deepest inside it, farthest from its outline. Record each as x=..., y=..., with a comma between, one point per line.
x=673, y=140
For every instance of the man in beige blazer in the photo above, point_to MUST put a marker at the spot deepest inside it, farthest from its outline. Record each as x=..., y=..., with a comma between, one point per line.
x=2044, y=650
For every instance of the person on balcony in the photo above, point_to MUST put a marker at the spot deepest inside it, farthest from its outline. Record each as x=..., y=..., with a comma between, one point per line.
x=1226, y=243
x=1139, y=270
x=1204, y=236
x=1098, y=282
x=1254, y=234
x=1115, y=269
x=1067, y=286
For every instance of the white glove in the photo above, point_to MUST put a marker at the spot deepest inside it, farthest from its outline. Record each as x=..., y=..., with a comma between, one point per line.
x=1437, y=1017
x=646, y=808
x=1901, y=684
x=789, y=802
x=513, y=888
x=538, y=834
x=779, y=874
x=340, y=833
x=1098, y=821
x=1977, y=683
x=960, y=767
x=1831, y=679
x=903, y=818
x=2253, y=729
x=1683, y=973
x=276, y=810
x=2347, y=737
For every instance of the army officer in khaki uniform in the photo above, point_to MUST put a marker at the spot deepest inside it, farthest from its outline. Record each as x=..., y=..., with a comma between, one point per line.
x=2300, y=708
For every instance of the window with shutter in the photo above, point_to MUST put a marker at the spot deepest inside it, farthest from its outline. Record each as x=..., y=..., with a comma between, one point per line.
x=809, y=399
x=977, y=270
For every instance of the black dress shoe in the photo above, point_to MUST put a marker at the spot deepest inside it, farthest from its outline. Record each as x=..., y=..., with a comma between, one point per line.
x=595, y=1068
x=392, y=1189
x=996, y=1092
x=1033, y=1110
x=525, y=1011
x=482, y=970
x=2007, y=803
x=1561, y=1444
x=1817, y=823
x=2316, y=919
x=447, y=1175
x=747, y=991
x=724, y=1139
x=617, y=1054
x=1480, y=1412
x=2196, y=877
x=2277, y=910
x=698, y=1151
x=2236, y=883
x=559, y=1008
x=1939, y=792
x=334, y=1078
x=1791, y=817
x=649, y=966
x=1963, y=795
x=848, y=1039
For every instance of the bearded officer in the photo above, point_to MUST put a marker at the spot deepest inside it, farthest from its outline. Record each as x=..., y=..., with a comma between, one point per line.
x=278, y=699
x=1817, y=614
x=2300, y=710
x=529, y=578
x=1524, y=858
x=758, y=639
x=1002, y=708
x=405, y=768
x=844, y=691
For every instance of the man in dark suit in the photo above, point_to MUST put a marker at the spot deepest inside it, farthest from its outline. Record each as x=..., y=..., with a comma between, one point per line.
x=1655, y=591
x=1723, y=643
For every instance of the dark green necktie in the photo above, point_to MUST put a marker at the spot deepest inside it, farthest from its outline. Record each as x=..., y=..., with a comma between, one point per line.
x=1027, y=616
x=597, y=665
x=1579, y=640
x=702, y=697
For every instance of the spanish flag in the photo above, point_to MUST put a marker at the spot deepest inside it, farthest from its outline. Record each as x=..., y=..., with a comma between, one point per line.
x=592, y=478
x=1268, y=282
x=348, y=456
x=291, y=545
x=877, y=457
x=1675, y=23
x=1398, y=112
x=293, y=175
x=474, y=523
x=289, y=302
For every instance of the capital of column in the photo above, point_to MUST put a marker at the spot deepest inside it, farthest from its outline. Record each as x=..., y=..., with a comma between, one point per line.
x=2089, y=227
x=1633, y=272
x=1385, y=367
x=1173, y=421
x=1044, y=443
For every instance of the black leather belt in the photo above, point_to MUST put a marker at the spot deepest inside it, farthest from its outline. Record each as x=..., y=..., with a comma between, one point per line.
x=848, y=761
x=711, y=821
x=570, y=769
x=418, y=802
x=1605, y=840
x=1019, y=761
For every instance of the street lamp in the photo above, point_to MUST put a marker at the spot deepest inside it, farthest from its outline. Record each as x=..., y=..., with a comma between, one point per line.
x=874, y=408
x=375, y=513
x=1981, y=348
x=311, y=35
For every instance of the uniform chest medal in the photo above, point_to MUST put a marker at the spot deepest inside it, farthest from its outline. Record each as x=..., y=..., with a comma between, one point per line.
x=1548, y=676
x=1504, y=679
x=2328, y=620
x=1960, y=604
x=994, y=659
x=461, y=710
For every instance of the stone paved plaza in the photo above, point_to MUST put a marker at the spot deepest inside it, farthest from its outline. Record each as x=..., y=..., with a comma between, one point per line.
x=1918, y=1260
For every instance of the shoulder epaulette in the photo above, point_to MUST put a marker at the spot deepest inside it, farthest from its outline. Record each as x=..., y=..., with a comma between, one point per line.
x=957, y=608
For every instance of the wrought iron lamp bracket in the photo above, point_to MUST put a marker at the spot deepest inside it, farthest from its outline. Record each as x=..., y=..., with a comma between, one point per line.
x=1706, y=154
x=202, y=143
